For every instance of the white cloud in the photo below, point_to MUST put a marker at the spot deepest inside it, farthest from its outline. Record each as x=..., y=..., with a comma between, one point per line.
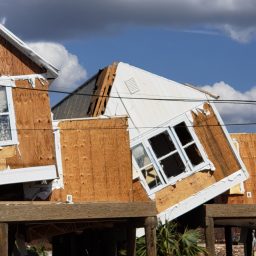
x=234, y=113
x=242, y=35
x=71, y=72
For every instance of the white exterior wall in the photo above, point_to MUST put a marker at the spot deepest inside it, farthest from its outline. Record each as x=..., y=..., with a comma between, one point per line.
x=149, y=113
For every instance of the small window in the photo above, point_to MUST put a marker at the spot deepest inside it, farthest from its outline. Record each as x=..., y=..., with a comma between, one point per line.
x=169, y=155
x=7, y=121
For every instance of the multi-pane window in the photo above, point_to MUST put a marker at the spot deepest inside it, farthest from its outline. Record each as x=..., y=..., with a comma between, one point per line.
x=168, y=155
x=7, y=123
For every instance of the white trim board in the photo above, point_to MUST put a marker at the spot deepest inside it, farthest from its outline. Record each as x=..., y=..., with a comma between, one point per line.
x=202, y=196
x=29, y=174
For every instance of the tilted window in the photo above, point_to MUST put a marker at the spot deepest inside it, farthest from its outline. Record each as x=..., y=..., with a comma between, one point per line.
x=8, y=134
x=167, y=155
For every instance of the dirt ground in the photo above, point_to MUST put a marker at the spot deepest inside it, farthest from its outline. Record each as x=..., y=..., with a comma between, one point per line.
x=220, y=249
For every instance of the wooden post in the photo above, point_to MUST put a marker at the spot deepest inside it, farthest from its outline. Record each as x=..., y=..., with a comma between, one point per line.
x=248, y=243
x=228, y=240
x=209, y=235
x=131, y=240
x=3, y=239
x=150, y=235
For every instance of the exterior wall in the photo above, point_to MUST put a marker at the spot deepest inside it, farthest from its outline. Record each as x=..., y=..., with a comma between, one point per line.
x=247, y=151
x=13, y=62
x=32, y=113
x=96, y=161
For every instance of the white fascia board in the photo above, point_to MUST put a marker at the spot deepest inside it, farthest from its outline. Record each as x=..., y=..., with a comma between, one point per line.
x=29, y=174
x=52, y=72
x=202, y=196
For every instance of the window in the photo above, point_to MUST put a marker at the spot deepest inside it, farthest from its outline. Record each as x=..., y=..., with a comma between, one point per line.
x=167, y=155
x=8, y=134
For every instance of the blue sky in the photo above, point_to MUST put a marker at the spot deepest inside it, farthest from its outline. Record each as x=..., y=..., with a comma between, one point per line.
x=210, y=44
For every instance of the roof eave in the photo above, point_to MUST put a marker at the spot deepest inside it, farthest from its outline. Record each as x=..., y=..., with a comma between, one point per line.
x=51, y=71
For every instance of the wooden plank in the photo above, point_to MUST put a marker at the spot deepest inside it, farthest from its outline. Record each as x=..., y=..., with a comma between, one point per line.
x=3, y=239
x=209, y=236
x=230, y=211
x=47, y=211
x=150, y=235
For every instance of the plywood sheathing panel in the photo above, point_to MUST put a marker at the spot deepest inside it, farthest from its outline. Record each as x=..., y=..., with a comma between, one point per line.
x=103, y=88
x=14, y=62
x=183, y=189
x=247, y=151
x=34, y=126
x=96, y=161
x=139, y=193
x=215, y=143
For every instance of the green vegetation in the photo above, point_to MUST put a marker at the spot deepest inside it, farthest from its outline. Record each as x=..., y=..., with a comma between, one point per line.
x=170, y=242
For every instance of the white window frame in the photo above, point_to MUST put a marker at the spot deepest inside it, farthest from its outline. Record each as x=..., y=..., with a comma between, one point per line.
x=7, y=84
x=189, y=168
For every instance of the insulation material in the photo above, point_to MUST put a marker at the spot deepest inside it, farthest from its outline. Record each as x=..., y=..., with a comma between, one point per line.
x=96, y=160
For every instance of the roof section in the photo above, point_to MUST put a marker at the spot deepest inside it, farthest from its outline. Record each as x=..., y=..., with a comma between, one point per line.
x=52, y=72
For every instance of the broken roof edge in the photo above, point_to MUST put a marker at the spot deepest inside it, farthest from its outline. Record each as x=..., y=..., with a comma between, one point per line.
x=52, y=72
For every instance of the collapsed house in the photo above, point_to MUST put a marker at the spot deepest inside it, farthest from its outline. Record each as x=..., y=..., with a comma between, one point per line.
x=58, y=181
x=183, y=156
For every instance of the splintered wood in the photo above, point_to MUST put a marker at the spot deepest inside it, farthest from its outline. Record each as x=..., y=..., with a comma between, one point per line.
x=96, y=160
x=215, y=143
x=103, y=88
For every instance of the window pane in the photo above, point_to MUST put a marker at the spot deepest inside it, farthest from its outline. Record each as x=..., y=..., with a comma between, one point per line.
x=172, y=165
x=183, y=133
x=140, y=155
x=3, y=100
x=194, y=154
x=162, y=144
x=151, y=177
x=5, y=131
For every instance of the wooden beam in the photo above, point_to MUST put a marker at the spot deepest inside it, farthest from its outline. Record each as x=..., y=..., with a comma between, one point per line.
x=48, y=211
x=131, y=240
x=3, y=239
x=228, y=240
x=209, y=236
x=230, y=211
x=150, y=235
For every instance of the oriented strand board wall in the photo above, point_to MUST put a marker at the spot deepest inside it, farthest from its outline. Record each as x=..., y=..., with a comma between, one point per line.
x=247, y=150
x=32, y=111
x=215, y=143
x=13, y=62
x=183, y=189
x=96, y=160
x=34, y=127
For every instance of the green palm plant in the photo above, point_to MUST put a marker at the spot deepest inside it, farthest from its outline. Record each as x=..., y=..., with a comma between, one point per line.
x=170, y=242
